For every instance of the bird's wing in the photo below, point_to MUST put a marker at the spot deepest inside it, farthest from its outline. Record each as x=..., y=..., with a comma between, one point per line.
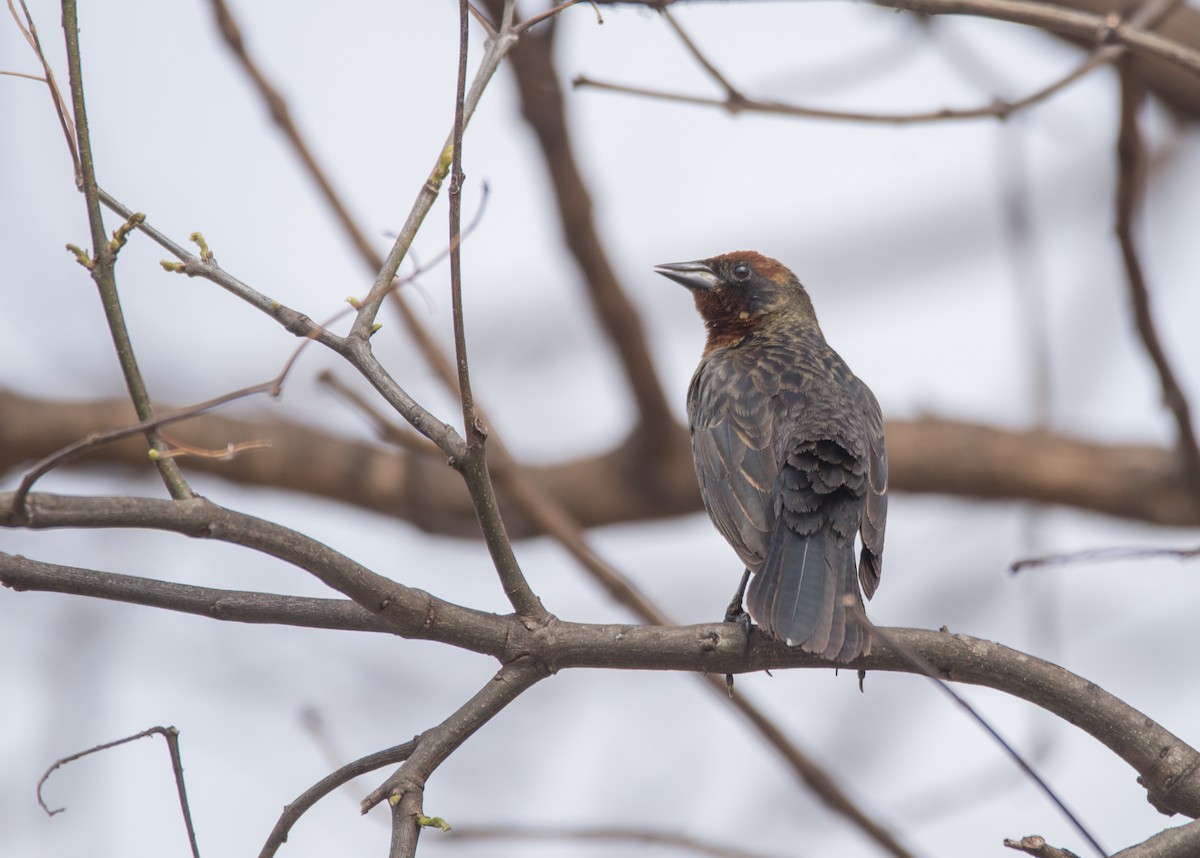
x=874, y=518
x=735, y=461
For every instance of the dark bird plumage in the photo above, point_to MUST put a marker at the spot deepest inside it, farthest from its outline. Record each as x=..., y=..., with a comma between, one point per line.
x=788, y=445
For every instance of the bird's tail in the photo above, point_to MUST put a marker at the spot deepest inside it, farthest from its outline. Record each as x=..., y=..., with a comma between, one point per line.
x=800, y=594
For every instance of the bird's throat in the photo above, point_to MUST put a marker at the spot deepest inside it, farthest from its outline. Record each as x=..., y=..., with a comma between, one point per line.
x=727, y=322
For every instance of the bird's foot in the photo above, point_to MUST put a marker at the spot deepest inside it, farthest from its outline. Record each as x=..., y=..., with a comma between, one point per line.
x=735, y=613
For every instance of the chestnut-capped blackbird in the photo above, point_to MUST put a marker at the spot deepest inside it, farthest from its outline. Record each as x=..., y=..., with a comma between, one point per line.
x=788, y=446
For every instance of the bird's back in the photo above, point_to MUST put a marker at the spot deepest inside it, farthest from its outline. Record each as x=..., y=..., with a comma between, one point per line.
x=788, y=448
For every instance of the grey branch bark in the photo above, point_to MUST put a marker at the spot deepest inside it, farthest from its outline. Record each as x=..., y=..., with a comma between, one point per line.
x=1168, y=768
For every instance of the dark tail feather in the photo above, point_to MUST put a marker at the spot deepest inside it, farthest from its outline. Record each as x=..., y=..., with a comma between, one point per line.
x=797, y=595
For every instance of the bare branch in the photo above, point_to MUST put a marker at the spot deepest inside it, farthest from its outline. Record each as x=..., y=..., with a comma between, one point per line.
x=280, y=114
x=436, y=744
x=1093, y=29
x=1180, y=842
x=1136, y=482
x=104, y=253
x=302, y=803
x=1104, y=554
x=921, y=665
x=171, y=736
x=1037, y=846
x=544, y=109
x=239, y=606
x=1130, y=184
x=98, y=439
x=735, y=101
x=410, y=612
x=1168, y=768
x=29, y=31
x=1097, y=29
x=474, y=468
x=496, y=49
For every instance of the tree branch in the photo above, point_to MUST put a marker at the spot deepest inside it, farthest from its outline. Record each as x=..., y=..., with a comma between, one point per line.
x=1136, y=482
x=1168, y=768
x=103, y=263
x=410, y=612
x=296, y=809
x=239, y=606
x=1180, y=842
x=734, y=101
x=404, y=789
x=1130, y=185
x=544, y=109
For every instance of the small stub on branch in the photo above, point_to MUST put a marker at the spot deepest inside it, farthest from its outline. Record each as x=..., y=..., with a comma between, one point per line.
x=205, y=252
x=122, y=232
x=1036, y=845
x=81, y=256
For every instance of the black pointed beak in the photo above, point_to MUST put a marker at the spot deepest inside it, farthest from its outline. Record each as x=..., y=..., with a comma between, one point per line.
x=694, y=275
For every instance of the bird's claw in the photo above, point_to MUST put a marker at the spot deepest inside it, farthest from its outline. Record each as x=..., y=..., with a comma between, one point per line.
x=735, y=613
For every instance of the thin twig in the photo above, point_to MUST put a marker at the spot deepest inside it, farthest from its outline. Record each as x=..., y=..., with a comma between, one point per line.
x=922, y=665
x=553, y=11
x=1104, y=555
x=272, y=388
x=99, y=439
x=389, y=431
x=1110, y=29
x=1130, y=187
x=278, y=108
x=473, y=429
x=303, y=802
x=735, y=101
x=437, y=743
x=29, y=31
x=474, y=468
x=171, y=736
x=496, y=49
x=104, y=254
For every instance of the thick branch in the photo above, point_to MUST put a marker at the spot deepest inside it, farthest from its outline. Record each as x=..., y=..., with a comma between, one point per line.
x=1180, y=842
x=410, y=612
x=1168, y=768
x=1137, y=482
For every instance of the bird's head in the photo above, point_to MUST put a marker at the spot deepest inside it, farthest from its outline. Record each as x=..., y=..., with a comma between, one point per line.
x=741, y=293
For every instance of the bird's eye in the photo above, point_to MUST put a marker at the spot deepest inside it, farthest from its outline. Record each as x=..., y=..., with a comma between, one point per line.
x=741, y=271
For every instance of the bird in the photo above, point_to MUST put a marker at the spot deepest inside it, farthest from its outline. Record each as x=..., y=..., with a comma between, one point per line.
x=789, y=452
